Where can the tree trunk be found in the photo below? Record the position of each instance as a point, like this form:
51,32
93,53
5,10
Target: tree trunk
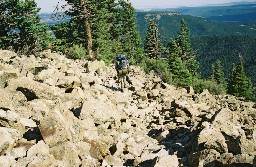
88,29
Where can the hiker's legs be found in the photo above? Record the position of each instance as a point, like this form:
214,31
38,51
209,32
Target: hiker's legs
124,78
128,80
120,81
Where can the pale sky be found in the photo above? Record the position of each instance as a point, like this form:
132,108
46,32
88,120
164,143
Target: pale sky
49,5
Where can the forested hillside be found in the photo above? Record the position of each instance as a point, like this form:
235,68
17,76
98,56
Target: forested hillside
169,24
210,40
227,49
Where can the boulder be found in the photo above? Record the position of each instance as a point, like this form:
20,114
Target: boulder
67,153
162,136
94,66
8,116
227,122
40,108
40,148
28,123
19,152
203,157
8,102
154,93
206,97
9,137
55,128
6,55
100,110
38,155
6,75
212,138
243,159
49,76
142,95
32,89
6,161
190,109
114,161
167,161
99,149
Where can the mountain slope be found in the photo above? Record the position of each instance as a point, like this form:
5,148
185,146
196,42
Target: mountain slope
169,25
247,18
227,49
61,112
210,40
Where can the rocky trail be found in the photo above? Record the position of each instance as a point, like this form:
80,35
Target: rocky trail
59,112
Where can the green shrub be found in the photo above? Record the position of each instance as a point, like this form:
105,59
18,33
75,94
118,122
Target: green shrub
200,84
107,58
77,52
159,67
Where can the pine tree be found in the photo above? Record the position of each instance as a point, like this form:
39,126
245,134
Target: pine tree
182,62
239,84
152,46
186,53
180,75
125,32
90,23
218,74
84,4
112,24
21,28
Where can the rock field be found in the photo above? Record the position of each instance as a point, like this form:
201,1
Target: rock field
57,112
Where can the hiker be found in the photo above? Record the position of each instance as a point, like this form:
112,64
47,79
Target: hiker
122,69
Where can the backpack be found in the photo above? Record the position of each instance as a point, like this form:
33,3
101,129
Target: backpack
121,62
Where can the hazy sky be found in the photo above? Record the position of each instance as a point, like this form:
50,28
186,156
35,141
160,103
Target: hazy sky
48,5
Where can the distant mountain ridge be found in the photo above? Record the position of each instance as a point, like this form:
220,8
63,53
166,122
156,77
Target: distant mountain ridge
212,12
247,17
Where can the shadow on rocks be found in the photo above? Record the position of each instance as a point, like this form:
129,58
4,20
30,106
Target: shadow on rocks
33,134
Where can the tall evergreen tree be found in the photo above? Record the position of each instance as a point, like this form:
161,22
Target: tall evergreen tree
218,74
180,75
112,24
125,32
152,45
186,53
89,25
102,23
239,84
182,62
20,26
